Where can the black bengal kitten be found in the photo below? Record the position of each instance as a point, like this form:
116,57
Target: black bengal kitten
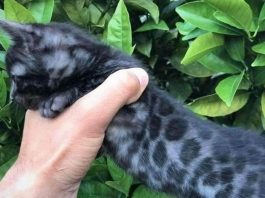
155,139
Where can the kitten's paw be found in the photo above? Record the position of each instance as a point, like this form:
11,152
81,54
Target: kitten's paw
53,106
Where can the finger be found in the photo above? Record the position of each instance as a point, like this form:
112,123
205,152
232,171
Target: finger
120,88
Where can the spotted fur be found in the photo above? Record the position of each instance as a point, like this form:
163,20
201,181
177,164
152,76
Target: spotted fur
155,139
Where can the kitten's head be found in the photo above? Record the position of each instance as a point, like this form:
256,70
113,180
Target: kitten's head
41,57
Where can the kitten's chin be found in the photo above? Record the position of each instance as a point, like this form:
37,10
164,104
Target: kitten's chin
31,106
28,103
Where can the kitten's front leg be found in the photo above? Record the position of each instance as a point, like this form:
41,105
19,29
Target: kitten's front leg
56,103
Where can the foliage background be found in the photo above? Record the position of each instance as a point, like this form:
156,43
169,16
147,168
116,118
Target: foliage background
209,54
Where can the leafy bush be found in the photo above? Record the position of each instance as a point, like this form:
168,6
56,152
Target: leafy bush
209,54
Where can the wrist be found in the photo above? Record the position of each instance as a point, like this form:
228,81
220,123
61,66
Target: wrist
19,183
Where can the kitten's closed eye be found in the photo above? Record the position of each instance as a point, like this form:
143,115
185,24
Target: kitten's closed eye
30,85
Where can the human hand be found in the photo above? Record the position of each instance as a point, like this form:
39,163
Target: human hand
55,154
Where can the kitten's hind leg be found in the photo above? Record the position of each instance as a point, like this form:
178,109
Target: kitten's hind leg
56,103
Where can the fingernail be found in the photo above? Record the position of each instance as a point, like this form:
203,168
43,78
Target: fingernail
142,76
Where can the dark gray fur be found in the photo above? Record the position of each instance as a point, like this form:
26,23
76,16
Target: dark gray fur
155,139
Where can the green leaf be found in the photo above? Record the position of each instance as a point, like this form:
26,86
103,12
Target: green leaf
259,48
201,46
119,33
6,166
226,89
220,16
217,64
145,47
2,59
262,121
42,10
76,12
5,111
7,152
151,25
262,14
144,192
167,36
153,60
2,14
79,4
237,11
194,34
258,75
95,15
261,20
17,113
200,14
3,91
149,6
243,118
4,39
122,181
121,186
213,106
115,171
17,12
256,6
95,189
179,89
235,47
194,69
185,28
98,171
245,84
93,184
259,61
263,103
4,136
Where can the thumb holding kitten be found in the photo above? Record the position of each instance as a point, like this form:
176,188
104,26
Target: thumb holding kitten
55,154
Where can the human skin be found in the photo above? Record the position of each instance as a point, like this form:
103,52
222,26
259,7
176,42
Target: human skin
55,154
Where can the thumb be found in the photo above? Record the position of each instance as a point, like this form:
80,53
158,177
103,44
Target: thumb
120,88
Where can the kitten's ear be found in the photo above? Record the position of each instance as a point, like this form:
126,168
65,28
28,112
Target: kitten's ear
16,31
